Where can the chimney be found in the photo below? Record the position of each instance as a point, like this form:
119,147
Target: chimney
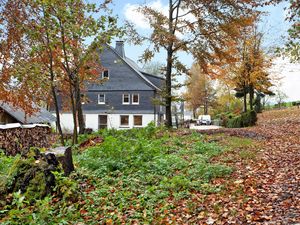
120,48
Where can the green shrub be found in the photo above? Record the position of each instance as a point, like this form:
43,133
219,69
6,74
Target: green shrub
244,120
235,122
249,118
225,117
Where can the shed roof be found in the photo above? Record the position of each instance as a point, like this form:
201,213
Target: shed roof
41,116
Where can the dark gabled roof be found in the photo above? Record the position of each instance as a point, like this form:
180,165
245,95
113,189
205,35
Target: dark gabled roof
135,67
41,116
156,80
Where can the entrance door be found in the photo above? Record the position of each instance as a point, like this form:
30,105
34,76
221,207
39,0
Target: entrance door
102,122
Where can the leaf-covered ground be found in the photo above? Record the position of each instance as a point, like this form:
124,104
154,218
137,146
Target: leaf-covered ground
274,183
265,188
152,176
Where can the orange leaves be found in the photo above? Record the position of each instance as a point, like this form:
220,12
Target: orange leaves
199,89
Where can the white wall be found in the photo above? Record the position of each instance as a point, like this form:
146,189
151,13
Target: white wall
113,121
66,121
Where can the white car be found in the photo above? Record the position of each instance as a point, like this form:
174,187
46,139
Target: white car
204,120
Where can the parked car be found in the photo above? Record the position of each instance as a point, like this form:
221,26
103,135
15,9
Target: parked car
204,120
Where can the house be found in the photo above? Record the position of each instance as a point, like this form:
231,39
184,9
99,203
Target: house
11,114
124,100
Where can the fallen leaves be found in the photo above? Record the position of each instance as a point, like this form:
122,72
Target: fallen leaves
265,190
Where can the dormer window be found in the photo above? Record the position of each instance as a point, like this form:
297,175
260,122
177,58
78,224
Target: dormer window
126,99
135,99
105,74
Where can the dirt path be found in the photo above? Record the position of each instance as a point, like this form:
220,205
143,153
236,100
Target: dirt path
275,198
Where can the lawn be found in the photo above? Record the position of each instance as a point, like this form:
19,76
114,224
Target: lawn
133,176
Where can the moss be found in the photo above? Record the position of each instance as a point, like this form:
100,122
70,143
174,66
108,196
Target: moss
32,177
36,188
18,169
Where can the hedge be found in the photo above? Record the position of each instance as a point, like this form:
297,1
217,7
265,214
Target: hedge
244,120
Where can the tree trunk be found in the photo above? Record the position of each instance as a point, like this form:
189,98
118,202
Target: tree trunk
251,97
205,107
194,113
169,89
64,156
245,100
169,69
74,112
58,125
53,87
80,117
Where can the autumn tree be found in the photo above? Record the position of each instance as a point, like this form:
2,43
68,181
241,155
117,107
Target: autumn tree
200,91
251,73
57,33
292,48
225,99
16,86
199,28
76,23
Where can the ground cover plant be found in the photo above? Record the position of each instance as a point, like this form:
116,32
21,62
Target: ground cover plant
133,176
156,176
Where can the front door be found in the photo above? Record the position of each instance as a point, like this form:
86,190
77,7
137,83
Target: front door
102,122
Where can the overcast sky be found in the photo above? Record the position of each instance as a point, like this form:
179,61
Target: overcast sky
273,24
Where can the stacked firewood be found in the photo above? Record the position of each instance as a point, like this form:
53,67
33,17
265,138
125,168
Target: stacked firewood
19,140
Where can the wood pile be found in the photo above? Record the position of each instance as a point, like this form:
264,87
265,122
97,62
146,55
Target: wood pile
19,139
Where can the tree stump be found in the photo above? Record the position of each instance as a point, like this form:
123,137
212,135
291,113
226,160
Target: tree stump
64,156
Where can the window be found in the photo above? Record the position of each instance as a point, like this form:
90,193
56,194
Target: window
105,74
101,98
102,121
124,121
126,98
135,99
138,120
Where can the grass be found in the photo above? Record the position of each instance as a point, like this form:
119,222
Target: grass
133,176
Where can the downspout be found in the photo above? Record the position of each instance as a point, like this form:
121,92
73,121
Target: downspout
154,106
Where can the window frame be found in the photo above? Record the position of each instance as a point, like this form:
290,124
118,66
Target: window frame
134,120
124,125
123,102
132,97
101,103
102,74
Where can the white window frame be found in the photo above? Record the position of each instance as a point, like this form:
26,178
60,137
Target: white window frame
127,125
135,124
135,103
126,103
101,103
102,74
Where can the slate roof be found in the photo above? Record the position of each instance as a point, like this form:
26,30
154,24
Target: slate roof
135,67
41,116
156,80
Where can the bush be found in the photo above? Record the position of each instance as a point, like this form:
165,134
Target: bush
225,117
249,118
244,120
235,122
